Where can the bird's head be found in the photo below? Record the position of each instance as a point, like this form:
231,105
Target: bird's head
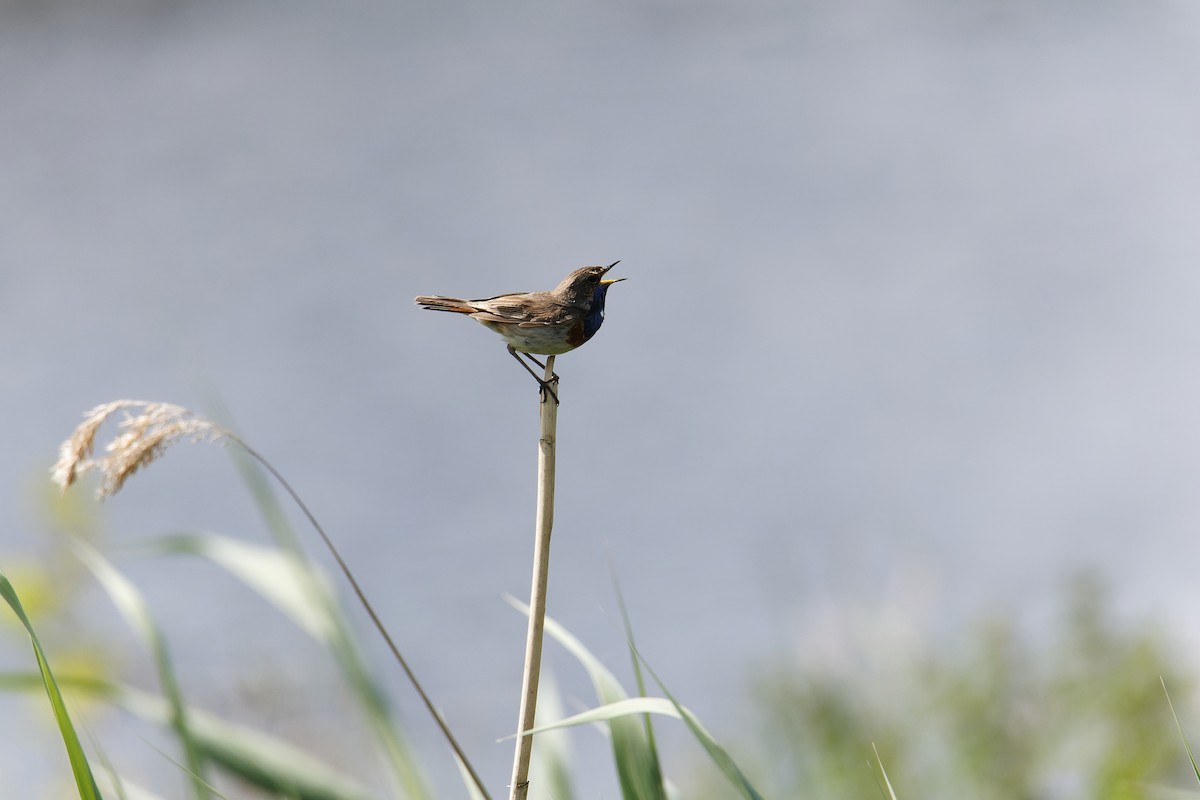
584,284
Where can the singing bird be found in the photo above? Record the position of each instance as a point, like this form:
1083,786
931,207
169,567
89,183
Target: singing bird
540,323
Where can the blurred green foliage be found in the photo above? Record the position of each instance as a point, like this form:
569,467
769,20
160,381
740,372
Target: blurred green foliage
51,581
994,714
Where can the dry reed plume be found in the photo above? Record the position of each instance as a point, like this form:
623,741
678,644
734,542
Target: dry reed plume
145,435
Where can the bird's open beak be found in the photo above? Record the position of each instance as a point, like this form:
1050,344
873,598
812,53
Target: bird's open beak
608,281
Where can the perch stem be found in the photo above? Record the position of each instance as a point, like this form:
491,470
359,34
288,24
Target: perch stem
519,788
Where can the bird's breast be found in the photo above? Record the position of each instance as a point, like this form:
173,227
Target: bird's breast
544,340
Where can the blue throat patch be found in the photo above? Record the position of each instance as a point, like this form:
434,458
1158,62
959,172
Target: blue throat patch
595,317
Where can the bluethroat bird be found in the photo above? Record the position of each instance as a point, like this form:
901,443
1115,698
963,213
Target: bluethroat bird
542,323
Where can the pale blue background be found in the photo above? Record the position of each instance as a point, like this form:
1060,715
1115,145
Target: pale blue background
910,331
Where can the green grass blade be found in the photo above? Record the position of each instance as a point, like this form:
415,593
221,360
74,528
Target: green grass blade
292,586
716,752
297,588
668,707
85,782
257,482
108,779
636,763
887,782
1182,735
137,615
608,688
550,774
630,706
473,792
261,760
637,674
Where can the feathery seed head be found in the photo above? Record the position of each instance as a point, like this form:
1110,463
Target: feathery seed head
147,430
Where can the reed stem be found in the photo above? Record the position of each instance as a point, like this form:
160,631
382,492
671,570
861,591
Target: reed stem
519,788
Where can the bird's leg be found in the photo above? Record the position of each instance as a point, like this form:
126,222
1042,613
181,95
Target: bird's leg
553,375
546,385
553,378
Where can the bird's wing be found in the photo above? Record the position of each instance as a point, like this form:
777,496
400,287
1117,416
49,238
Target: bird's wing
487,316
532,310
512,308
554,313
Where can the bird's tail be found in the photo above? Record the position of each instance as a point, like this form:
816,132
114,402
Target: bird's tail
445,304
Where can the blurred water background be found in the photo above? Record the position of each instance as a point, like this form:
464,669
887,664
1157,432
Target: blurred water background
910,328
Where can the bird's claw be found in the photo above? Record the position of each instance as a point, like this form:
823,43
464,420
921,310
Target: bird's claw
547,389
